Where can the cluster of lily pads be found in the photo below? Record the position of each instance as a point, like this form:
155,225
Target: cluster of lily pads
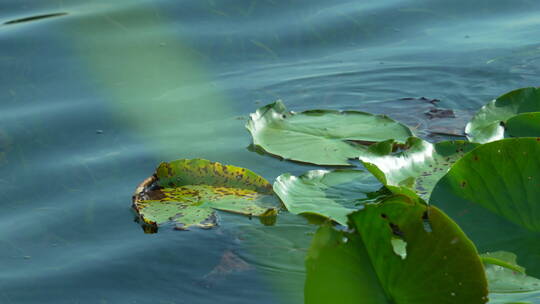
404,229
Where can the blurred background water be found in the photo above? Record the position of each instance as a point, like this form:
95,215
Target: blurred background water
93,97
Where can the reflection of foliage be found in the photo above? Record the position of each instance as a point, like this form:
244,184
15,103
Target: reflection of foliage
397,248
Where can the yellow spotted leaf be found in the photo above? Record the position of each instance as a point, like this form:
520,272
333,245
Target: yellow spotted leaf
188,191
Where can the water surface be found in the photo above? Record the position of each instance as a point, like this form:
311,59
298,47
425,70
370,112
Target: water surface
95,94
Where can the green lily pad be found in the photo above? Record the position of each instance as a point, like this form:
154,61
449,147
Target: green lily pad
340,270
492,193
322,137
507,281
501,176
487,123
523,125
439,265
332,194
419,166
188,191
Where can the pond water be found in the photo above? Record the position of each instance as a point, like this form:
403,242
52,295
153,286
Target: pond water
94,94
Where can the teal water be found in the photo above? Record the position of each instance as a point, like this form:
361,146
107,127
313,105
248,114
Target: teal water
94,98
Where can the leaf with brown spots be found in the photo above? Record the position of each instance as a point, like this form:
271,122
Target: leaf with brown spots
188,191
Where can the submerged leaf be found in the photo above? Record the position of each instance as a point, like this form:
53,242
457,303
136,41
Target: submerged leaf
505,276
504,259
332,194
493,193
440,266
515,298
278,253
322,137
488,123
187,191
424,116
507,281
230,263
418,166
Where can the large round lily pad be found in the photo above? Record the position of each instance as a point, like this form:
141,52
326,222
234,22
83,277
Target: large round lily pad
419,164
188,191
488,123
501,176
493,193
332,194
402,253
322,137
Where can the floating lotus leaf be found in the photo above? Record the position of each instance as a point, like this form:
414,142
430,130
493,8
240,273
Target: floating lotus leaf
188,191
502,176
322,137
439,264
493,193
333,194
523,125
507,281
488,123
418,166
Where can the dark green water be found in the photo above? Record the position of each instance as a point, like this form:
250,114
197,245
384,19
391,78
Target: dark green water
92,100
